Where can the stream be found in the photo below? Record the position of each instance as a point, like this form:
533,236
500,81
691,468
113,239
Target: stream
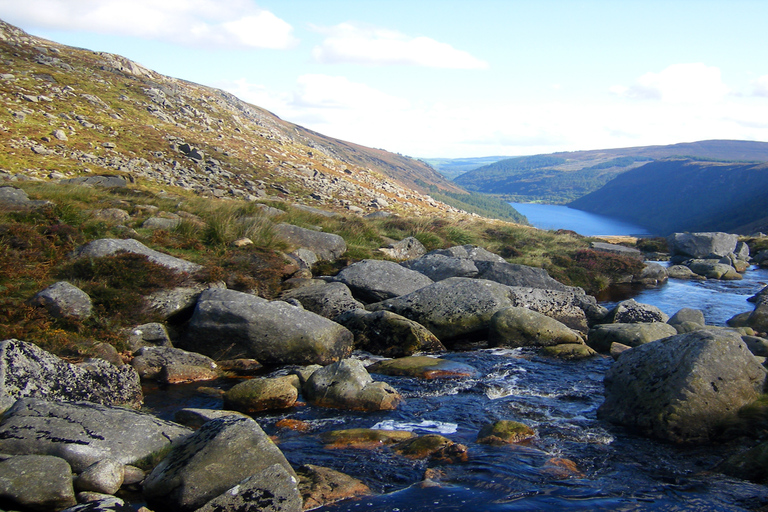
574,463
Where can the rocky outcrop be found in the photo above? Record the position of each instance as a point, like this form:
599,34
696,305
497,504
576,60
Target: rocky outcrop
230,324
217,457
272,489
630,312
326,246
110,246
521,327
601,337
682,388
388,334
264,394
440,266
28,371
16,199
702,245
347,385
377,280
64,300
83,433
325,299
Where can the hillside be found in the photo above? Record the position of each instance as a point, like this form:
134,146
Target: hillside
563,177
686,195
452,168
71,112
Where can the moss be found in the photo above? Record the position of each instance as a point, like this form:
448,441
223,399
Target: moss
505,432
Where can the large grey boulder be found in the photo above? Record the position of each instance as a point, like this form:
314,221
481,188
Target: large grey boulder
682,388
36,482
576,310
172,302
326,299
110,246
217,457
469,252
15,198
521,327
630,311
518,275
26,370
263,394
406,249
272,489
440,266
153,334
83,433
453,308
348,385
327,246
64,300
602,336
653,274
687,315
388,334
714,269
702,245
150,362
229,324
377,280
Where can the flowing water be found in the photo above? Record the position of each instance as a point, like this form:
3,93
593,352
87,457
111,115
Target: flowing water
575,462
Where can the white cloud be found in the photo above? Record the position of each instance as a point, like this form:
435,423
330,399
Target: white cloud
678,83
323,91
201,23
760,86
349,43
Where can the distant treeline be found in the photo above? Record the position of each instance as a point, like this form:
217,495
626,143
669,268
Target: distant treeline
480,204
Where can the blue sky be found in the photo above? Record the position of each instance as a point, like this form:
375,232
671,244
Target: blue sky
447,78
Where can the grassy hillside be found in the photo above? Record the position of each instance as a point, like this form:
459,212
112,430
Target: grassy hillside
451,168
686,195
563,177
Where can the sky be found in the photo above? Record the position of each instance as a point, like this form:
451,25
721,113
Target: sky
448,78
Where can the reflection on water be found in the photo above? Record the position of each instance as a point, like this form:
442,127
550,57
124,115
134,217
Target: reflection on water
556,216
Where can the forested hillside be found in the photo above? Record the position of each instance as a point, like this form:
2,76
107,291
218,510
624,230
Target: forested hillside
687,195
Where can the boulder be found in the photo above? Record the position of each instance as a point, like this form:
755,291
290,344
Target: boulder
231,324
758,319
760,297
152,334
701,245
29,371
36,482
469,252
653,274
326,246
569,351
631,312
177,302
83,433
110,215
454,308
521,327
326,299
432,446
518,275
105,476
64,300
322,486
574,309
757,345
682,388
16,199
217,457
388,334
406,249
602,336
683,272
505,432
158,223
264,394
714,269
272,489
687,315
424,367
440,266
109,246
196,418
149,362
377,280
347,385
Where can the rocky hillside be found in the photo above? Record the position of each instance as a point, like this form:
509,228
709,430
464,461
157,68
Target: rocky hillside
687,195
563,177
70,112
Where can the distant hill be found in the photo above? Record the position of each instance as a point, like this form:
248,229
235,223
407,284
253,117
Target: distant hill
566,176
675,195
454,167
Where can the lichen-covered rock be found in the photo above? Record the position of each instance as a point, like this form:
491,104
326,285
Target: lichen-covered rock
149,362
602,336
439,266
683,272
327,299
272,489
264,394
687,315
321,486
64,300
347,385
505,432
714,269
36,482
29,371
217,457
682,388
388,334
195,418
327,246
518,275
364,438
432,446
521,327
406,249
110,246
424,367
377,280
631,312
83,433
230,324
152,334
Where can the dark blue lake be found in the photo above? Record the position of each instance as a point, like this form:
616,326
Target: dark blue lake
557,216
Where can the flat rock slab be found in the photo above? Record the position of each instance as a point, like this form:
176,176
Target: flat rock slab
424,367
109,246
83,433
377,280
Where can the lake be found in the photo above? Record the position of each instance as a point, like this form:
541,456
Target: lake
557,216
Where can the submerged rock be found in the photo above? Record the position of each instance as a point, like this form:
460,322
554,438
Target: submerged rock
365,438
505,432
321,486
632,312
432,446
263,394
424,367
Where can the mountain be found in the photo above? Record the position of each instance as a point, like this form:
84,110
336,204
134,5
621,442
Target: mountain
677,194
563,177
70,112
451,168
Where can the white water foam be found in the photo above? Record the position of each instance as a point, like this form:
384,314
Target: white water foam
432,427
